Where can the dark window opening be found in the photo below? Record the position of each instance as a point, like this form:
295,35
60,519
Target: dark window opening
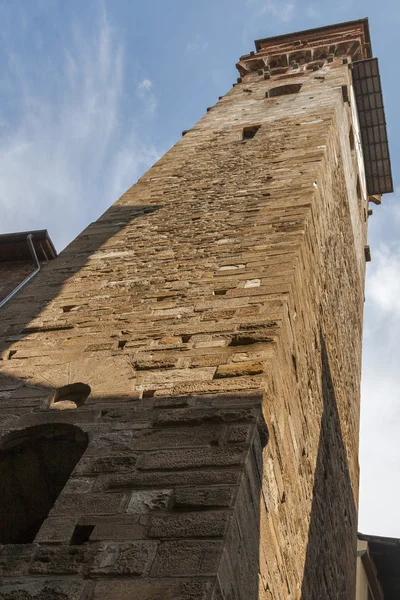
35,465
359,194
351,140
250,132
315,66
81,534
68,308
70,396
283,90
278,70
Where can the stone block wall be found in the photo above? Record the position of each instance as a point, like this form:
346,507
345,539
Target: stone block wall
218,299
11,275
151,507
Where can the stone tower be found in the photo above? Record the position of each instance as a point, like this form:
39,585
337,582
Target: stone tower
180,387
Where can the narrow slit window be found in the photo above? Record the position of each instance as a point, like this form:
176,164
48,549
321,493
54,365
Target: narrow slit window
250,132
359,194
284,90
351,140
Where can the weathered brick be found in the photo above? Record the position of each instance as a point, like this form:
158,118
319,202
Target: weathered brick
76,504
187,459
118,529
15,558
239,434
62,561
152,589
45,589
123,559
190,524
144,501
199,416
172,437
203,497
186,557
107,464
168,478
56,530
239,369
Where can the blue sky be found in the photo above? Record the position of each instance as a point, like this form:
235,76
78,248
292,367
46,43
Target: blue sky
92,92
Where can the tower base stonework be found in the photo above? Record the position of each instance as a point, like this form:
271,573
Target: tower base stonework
171,513
204,337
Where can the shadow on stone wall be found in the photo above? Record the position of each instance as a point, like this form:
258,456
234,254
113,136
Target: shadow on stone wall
238,574
17,316
207,535
329,570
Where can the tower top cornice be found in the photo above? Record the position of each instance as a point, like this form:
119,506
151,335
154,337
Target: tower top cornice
350,39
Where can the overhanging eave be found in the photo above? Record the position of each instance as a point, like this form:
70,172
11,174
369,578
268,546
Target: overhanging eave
371,114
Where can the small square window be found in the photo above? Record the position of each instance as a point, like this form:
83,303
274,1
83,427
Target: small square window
81,534
250,132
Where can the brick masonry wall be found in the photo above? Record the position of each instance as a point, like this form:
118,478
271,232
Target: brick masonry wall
11,275
228,282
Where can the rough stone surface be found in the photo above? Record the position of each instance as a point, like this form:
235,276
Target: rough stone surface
43,590
123,559
220,297
150,589
203,497
185,558
147,501
199,525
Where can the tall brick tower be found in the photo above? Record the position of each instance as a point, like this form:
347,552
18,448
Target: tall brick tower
180,390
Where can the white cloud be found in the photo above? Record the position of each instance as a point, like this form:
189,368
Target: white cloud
380,397
145,93
145,86
383,283
69,154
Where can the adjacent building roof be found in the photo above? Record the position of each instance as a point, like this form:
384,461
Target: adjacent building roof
386,556
14,247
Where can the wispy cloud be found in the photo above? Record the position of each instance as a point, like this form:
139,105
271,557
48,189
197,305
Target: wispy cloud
380,397
284,11
312,12
383,284
144,90
69,153
197,45
257,24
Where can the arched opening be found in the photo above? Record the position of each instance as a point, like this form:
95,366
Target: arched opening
70,396
35,465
